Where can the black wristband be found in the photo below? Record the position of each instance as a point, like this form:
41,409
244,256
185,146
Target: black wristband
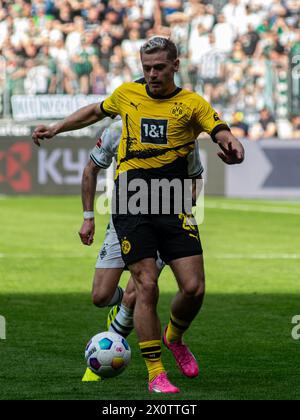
217,129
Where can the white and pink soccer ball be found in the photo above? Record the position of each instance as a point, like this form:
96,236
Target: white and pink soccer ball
107,354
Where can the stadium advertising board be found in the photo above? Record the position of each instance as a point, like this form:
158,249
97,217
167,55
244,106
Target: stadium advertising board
36,107
270,170
55,169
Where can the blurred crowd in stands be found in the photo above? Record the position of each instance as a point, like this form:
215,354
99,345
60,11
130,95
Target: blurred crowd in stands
235,53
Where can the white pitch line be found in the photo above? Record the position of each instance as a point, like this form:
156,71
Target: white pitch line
256,209
46,256
255,256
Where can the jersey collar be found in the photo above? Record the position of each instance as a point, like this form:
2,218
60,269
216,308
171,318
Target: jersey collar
171,95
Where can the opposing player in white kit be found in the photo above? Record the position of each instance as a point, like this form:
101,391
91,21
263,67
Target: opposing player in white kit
109,264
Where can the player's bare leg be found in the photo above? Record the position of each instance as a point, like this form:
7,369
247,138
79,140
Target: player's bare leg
145,278
189,273
129,295
105,291
120,317
147,323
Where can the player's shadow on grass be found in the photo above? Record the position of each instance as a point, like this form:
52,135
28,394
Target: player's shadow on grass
242,341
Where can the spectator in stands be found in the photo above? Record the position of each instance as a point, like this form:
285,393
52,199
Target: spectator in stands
5,21
116,77
199,14
65,14
211,70
168,7
73,41
131,52
198,44
295,121
106,51
85,43
224,34
265,128
250,40
98,80
295,47
235,15
37,78
93,17
151,14
53,31
179,31
238,126
66,76
44,58
82,63
16,72
133,12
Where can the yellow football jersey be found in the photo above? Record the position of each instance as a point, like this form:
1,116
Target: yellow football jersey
158,131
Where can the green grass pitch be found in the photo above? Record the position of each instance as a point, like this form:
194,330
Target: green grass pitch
242,338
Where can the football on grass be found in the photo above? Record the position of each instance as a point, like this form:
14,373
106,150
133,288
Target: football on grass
107,354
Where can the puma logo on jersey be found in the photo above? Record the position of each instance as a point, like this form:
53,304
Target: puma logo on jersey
136,106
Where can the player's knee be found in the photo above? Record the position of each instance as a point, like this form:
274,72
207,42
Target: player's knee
149,291
195,288
143,276
146,287
101,298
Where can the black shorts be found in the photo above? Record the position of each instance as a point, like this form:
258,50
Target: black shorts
141,236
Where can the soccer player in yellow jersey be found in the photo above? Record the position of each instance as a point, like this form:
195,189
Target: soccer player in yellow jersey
160,123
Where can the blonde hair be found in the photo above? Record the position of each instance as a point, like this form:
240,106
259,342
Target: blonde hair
160,43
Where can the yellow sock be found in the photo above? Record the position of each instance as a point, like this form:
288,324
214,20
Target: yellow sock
176,329
151,352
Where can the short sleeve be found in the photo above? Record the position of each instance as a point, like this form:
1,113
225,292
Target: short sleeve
100,156
107,146
110,105
208,119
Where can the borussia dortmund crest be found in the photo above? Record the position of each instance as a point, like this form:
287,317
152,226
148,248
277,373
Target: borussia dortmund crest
126,246
178,110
